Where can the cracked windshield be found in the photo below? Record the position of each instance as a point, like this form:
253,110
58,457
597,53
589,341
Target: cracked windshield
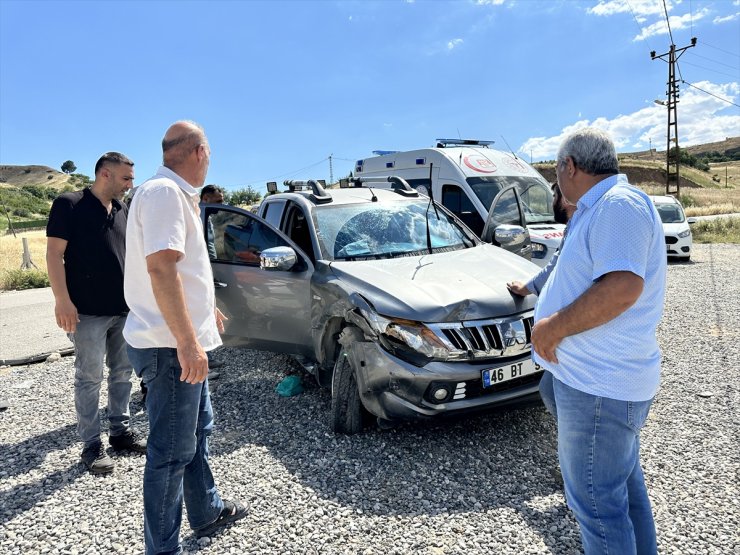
386,230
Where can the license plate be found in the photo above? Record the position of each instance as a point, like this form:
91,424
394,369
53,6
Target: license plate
495,376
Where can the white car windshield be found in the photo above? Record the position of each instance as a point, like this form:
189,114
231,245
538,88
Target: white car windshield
386,230
670,213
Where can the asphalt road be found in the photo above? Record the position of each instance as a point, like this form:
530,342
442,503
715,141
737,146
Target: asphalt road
27,325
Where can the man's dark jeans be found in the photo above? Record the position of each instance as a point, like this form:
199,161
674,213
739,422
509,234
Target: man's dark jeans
180,421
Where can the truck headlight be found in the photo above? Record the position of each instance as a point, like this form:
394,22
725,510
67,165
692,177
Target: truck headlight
684,233
538,250
408,340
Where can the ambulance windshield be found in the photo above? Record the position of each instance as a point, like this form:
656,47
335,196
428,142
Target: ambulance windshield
535,194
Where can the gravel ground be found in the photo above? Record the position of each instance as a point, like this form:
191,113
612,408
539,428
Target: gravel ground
482,485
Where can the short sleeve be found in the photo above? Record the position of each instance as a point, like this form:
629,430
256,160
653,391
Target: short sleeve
59,218
620,236
162,220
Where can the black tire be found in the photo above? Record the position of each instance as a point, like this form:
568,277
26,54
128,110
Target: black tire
347,412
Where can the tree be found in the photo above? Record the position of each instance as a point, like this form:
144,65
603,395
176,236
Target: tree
69,167
244,196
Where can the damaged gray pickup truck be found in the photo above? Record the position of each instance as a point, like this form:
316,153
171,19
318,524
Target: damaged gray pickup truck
385,297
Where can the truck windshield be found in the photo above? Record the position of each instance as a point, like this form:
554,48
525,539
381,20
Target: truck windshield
386,230
535,194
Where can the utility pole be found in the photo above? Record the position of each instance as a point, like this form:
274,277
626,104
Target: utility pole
672,157
331,171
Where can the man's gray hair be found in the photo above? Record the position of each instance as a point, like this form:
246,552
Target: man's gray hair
592,150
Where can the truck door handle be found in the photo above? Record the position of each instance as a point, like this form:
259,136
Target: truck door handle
219,284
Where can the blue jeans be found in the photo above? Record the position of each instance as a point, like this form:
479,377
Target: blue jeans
547,394
96,339
180,421
599,452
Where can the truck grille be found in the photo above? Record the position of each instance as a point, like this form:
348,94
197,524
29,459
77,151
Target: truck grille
482,339
671,240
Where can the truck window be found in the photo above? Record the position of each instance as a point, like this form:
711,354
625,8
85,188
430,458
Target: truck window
506,210
457,202
296,227
239,239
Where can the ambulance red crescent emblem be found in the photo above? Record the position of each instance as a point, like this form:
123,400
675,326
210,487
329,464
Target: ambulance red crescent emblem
479,163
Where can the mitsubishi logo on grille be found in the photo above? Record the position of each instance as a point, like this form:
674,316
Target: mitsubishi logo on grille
513,336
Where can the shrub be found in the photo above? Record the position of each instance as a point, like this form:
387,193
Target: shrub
687,200
24,279
49,177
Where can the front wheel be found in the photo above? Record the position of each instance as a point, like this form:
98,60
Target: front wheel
347,411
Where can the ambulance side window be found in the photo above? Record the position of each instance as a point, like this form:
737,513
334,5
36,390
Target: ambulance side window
455,200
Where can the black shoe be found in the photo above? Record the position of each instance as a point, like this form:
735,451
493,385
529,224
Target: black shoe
96,459
129,440
214,363
230,513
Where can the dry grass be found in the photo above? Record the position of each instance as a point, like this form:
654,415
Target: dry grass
703,202
11,250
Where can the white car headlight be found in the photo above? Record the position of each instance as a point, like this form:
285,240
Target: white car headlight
684,233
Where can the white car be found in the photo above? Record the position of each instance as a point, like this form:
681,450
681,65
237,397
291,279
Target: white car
678,239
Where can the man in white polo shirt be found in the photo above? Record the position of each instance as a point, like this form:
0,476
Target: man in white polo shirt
172,323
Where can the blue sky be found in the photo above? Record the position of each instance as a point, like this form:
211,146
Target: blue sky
279,86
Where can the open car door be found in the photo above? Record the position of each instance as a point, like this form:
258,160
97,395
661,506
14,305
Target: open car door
506,225
266,310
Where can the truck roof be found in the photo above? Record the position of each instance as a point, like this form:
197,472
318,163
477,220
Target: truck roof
351,195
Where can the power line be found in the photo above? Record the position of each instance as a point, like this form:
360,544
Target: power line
668,22
642,31
710,69
289,173
710,94
705,43
715,61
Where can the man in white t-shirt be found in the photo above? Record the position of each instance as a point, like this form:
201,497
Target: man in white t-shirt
173,321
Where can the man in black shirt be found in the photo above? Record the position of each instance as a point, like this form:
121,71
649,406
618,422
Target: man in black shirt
85,255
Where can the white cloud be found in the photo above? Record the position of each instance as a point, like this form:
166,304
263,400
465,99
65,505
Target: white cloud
490,2
454,43
639,7
726,18
699,121
677,22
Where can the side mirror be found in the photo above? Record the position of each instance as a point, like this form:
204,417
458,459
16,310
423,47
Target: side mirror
692,220
510,235
279,259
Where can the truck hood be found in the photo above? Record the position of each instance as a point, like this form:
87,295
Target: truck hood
468,284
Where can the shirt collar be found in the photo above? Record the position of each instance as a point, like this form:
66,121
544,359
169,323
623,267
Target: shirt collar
115,203
598,190
186,187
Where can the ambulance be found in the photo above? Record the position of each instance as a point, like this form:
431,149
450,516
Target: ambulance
484,187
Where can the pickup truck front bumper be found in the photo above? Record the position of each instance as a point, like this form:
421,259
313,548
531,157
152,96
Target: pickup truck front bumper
393,389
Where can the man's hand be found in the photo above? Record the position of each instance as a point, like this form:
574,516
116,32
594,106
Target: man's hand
518,288
546,336
66,315
220,319
194,363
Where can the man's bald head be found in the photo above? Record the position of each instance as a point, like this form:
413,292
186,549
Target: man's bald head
185,151
180,140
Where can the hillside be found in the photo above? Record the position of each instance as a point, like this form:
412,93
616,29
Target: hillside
21,176
728,146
